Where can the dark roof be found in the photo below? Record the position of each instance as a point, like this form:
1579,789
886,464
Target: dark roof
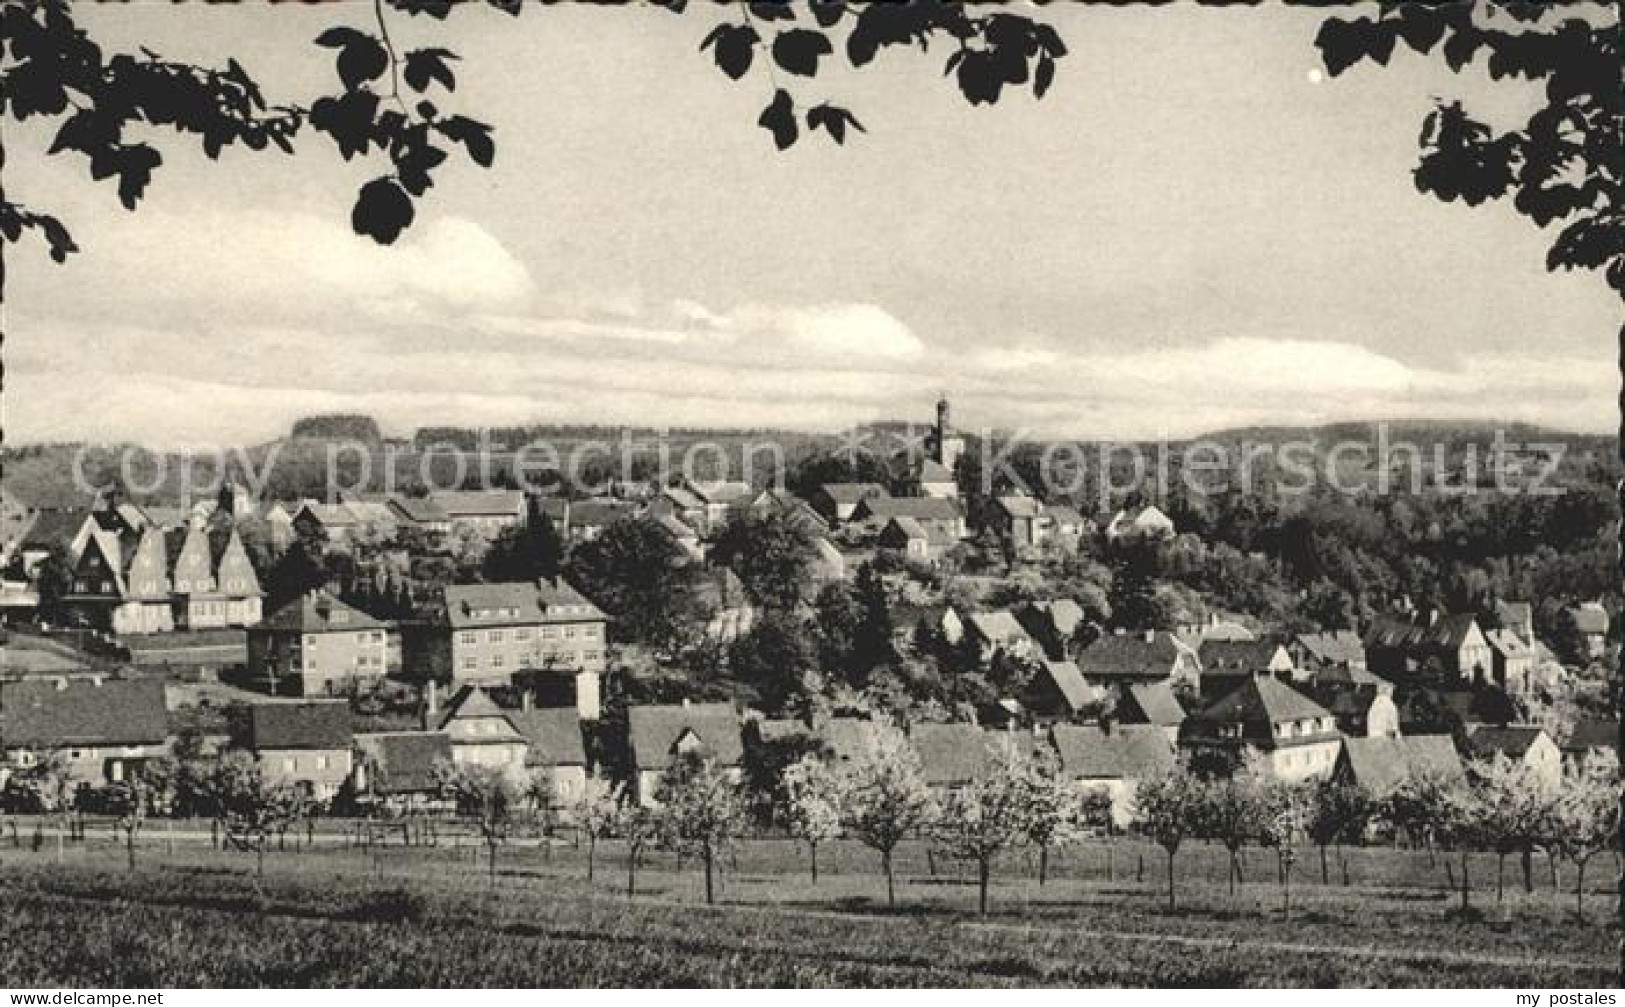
1150,703
60,712
1514,614
317,724
419,510
1591,733
1445,633
1513,740
1130,655
554,735
55,527
851,493
1381,764
1258,704
320,612
919,508
1068,682
1089,752
1236,657
1509,643
655,730
404,762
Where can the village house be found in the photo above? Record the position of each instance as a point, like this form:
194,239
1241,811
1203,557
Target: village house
1150,704
661,736
944,517
953,756
493,630
780,502
398,770
1379,764
1227,663
1112,761
1451,643
308,745
1295,737
1591,622
316,645
485,511
706,506
578,521
334,522
482,733
1058,692
682,535
105,729
1512,661
1526,744
1313,653
837,502
1020,520
555,749
420,513
994,633
1151,656
1362,702
921,476
1591,738
1144,523
131,577
914,540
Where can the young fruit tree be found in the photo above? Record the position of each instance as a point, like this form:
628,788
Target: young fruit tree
597,813
811,794
128,802
1230,811
1336,813
1586,817
638,827
1054,810
1518,803
488,797
980,821
887,799
702,812
1165,806
248,809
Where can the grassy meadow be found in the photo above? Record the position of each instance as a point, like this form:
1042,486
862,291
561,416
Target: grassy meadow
393,916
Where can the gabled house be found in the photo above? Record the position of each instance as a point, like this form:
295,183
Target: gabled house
1378,765
309,744
837,502
914,540
954,755
585,520
1058,692
1362,702
1227,663
661,736
1021,521
1316,652
1591,738
106,729
1147,522
316,645
1067,527
481,732
783,503
556,748
1454,643
1112,761
1053,623
1591,622
421,513
943,516
1295,737
994,633
1150,704
1152,656
398,770
1522,743
920,475
1512,661
485,511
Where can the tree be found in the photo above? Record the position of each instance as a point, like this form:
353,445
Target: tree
811,796
873,643
1231,811
1562,166
1586,818
639,576
701,812
771,553
1337,813
598,811
528,552
637,826
248,809
773,658
1054,813
1517,807
1165,806
991,814
486,795
128,802
887,799
54,70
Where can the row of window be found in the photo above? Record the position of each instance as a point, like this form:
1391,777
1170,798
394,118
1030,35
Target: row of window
469,637
375,639
471,662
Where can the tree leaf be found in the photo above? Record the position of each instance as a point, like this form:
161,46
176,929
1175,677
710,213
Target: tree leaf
1044,76
363,59
779,118
834,120
474,136
424,66
797,50
735,48
382,210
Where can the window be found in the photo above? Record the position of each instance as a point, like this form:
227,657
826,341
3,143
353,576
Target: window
466,638
549,633
470,662
288,765
495,636
521,634
321,762
496,660
589,632
310,641
569,632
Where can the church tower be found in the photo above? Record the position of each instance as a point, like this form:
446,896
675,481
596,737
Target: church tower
946,445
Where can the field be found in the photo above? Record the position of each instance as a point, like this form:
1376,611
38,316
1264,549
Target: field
335,915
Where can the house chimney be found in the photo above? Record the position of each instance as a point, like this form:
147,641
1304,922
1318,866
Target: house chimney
431,698
526,703
1150,635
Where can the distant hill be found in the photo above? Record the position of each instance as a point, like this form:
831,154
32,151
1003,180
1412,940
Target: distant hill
338,427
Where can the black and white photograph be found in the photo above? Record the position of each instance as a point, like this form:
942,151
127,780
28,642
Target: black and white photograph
827,494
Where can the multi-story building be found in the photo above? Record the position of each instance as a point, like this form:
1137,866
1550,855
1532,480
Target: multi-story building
317,645
493,630
141,579
307,745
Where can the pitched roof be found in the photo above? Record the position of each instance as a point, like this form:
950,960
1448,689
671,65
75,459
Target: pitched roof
1592,733
61,712
1069,682
851,493
53,528
950,754
1513,740
1151,703
908,528
1341,647
469,703
403,762
1020,506
1131,655
320,612
1509,644
1233,657
479,503
517,603
655,730
996,627
1381,764
319,724
1514,614
919,508
1259,702
1090,752
720,491
419,510
554,735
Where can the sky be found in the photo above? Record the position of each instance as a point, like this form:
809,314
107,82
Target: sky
1195,229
